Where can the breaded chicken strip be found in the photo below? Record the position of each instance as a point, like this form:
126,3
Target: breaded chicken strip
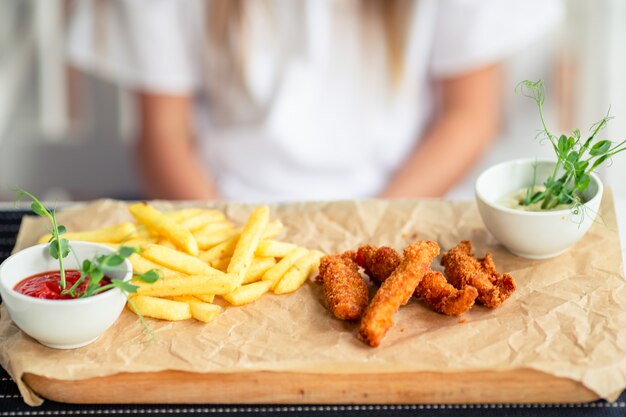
462,269
378,263
442,297
434,289
346,292
396,291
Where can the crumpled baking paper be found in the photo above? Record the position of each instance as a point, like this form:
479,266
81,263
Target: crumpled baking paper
567,317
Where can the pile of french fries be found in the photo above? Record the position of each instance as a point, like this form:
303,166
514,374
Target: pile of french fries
199,254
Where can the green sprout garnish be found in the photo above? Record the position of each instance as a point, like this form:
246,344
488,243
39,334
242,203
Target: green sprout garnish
576,159
92,271
58,247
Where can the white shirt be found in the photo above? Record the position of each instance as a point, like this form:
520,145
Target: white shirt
321,124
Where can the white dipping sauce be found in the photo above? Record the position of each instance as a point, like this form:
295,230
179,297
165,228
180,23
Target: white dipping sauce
516,201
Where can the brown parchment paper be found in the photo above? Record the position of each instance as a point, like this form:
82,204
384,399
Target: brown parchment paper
567,318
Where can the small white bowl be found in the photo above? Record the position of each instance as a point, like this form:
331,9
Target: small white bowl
60,324
533,235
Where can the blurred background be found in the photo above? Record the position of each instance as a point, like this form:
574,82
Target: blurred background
67,135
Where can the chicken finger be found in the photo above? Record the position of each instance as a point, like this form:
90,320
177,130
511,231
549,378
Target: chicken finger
442,297
346,292
378,263
396,291
434,289
462,269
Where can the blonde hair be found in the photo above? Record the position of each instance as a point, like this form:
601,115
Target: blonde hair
393,17
226,33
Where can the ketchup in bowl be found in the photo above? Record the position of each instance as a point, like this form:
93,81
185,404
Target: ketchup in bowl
46,285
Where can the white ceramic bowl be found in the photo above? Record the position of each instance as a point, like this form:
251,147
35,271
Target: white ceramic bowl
534,235
61,324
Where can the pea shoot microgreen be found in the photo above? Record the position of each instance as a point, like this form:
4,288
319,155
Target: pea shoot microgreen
58,247
93,271
576,159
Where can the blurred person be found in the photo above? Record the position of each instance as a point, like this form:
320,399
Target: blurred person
310,99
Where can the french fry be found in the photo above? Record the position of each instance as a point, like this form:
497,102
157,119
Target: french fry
204,312
144,233
182,214
238,264
272,229
160,308
246,294
221,264
178,261
164,226
247,243
207,241
200,310
166,243
221,250
258,268
277,271
138,242
191,285
183,298
213,227
227,247
205,298
298,273
142,265
275,248
256,271
112,234
201,220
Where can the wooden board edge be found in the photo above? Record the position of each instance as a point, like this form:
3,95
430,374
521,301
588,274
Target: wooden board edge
265,387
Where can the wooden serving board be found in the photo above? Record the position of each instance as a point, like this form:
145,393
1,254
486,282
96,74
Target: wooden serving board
516,386
537,347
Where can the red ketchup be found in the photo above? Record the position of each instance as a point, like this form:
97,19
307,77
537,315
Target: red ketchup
46,285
